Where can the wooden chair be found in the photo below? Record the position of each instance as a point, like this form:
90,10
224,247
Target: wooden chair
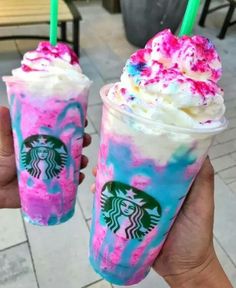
26,12
227,23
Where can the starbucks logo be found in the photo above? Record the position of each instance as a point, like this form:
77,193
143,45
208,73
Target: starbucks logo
129,212
43,156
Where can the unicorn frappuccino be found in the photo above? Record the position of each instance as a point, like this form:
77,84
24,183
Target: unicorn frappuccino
157,126
48,98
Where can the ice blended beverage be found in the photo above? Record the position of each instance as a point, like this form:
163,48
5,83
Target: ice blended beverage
48,98
158,124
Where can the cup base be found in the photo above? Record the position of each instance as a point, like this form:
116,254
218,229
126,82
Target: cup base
112,277
53,221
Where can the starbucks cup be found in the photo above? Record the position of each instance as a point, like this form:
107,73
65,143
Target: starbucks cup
145,170
48,138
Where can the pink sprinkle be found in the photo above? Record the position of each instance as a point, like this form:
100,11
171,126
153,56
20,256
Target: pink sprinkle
58,51
26,68
123,90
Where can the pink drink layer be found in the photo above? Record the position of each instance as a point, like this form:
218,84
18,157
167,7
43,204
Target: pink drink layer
157,127
48,98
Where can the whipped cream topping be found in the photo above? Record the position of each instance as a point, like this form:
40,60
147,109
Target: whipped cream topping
55,67
173,80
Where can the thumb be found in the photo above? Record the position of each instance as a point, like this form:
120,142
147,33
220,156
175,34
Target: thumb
6,139
201,196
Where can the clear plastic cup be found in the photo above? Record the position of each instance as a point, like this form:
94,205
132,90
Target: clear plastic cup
145,170
48,139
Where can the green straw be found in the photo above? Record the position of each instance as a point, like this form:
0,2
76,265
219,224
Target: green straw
189,17
54,22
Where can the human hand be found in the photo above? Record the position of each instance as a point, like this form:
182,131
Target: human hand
9,196
190,242
9,193
188,258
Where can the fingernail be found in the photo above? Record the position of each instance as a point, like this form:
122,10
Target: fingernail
93,188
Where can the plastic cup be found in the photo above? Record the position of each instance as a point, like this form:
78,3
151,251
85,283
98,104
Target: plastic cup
48,139
145,170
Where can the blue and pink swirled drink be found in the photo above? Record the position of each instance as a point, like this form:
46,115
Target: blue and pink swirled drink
157,126
48,98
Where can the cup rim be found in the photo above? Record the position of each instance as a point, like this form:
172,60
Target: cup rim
172,128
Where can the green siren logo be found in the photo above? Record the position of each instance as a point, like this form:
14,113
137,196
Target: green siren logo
43,156
129,212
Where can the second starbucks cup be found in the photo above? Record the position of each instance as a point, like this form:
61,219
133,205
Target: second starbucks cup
145,166
48,99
